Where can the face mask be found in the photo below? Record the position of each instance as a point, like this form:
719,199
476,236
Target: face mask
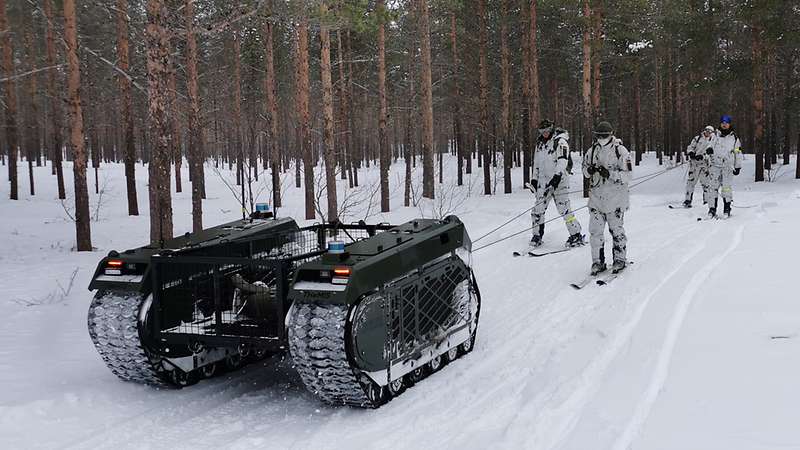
604,141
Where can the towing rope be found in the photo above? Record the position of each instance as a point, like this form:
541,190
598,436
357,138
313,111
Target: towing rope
638,181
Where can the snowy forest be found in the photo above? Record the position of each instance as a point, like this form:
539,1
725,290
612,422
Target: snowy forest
327,224
302,89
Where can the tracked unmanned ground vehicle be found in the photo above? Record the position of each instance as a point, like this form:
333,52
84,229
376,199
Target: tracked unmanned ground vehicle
364,310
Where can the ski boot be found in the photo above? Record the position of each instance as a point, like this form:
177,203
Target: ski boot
576,240
536,241
598,267
712,209
726,209
687,204
618,266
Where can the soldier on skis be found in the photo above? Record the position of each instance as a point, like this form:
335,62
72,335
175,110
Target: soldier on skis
725,161
607,165
698,164
551,168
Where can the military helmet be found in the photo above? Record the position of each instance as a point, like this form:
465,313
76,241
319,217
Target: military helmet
603,129
546,125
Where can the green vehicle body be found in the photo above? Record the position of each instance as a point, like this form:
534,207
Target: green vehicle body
377,267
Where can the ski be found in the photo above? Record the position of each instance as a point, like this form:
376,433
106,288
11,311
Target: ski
601,279
678,206
583,283
608,278
536,255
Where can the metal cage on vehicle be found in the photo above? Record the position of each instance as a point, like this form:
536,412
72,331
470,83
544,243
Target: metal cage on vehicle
239,294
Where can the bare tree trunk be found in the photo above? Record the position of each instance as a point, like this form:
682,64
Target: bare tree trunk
637,99
82,227
351,140
587,84
175,140
195,149
408,146
427,101
272,114
527,149
55,101
10,100
126,106
534,68
506,90
758,100
33,144
788,101
383,144
158,64
597,45
302,86
458,140
483,136
344,119
327,117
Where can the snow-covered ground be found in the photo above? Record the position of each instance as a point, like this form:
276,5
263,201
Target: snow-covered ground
695,347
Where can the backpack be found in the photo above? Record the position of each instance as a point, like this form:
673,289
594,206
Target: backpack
569,153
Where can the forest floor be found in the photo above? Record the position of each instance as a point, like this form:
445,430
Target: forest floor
694,347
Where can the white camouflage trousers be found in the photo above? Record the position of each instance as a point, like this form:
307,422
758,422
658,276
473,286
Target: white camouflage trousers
560,197
719,179
597,225
698,171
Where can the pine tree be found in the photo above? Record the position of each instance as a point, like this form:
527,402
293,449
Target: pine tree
9,89
82,226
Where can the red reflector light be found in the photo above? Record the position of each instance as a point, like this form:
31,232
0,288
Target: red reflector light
341,272
114,263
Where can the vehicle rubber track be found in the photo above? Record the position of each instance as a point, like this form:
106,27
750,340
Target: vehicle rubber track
319,350
113,327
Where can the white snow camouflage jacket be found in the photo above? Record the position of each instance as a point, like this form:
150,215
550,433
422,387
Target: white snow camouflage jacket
550,158
727,151
700,144
608,194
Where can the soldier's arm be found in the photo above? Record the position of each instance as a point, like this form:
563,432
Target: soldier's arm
563,157
737,154
587,162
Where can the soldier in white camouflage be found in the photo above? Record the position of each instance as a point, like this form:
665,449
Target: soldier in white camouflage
698,164
607,165
550,180
725,162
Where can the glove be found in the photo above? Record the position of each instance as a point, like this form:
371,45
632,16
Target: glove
535,184
591,170
736,171
709,151
603,172
555,181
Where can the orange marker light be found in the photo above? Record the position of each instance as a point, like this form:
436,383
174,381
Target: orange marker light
114,263
341,271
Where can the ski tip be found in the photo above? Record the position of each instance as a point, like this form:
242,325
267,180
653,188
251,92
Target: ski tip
517,254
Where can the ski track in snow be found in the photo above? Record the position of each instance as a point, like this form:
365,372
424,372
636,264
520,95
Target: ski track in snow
560,425
659,377
557,416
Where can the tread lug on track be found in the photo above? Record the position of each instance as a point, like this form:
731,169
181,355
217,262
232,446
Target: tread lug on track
113,328
319,351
